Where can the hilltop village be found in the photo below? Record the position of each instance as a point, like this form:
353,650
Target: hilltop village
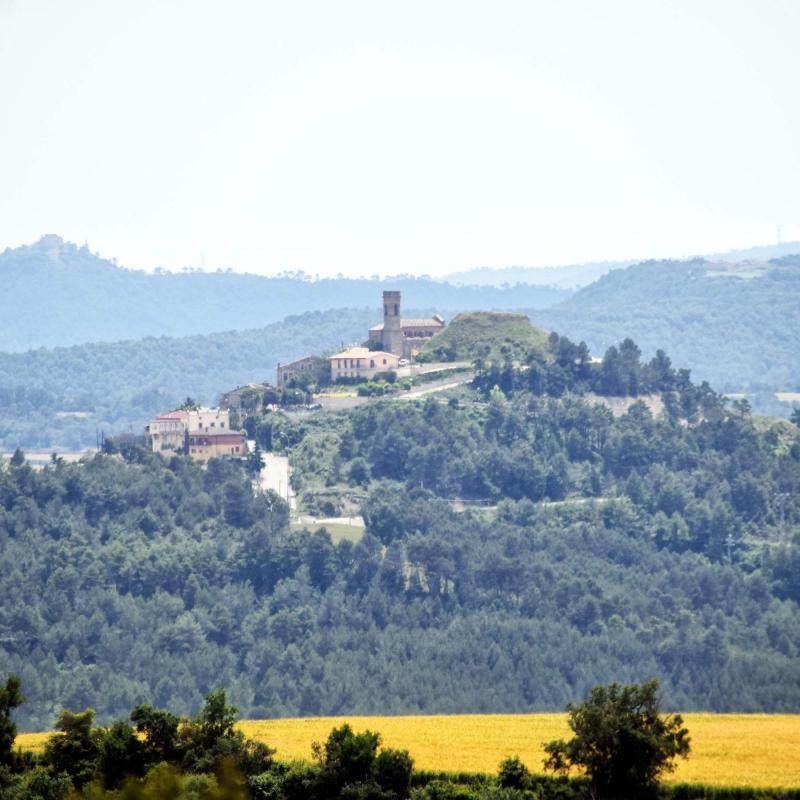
389,353
392,345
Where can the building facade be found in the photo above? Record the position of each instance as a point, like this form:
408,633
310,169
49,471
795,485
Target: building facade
361,363
402,337
202,433
247,398
168,431
205,445
209,420
310,366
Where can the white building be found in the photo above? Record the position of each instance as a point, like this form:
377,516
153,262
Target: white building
362,363
168,432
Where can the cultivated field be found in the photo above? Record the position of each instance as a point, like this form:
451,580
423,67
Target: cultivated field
756,750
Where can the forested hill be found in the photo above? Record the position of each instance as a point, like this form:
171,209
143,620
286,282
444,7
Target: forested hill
735,325
613,549
60,398
63,294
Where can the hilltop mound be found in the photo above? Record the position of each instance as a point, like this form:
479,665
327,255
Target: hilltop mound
491,335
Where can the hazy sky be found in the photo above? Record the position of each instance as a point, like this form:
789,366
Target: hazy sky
377,137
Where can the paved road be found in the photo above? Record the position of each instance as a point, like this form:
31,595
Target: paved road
440,386
353,522
341,403
275,476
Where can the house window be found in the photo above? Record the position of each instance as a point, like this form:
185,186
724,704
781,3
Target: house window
384,360
395,309
372,363
222,424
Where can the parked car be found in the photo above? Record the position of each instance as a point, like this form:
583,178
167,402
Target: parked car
403,362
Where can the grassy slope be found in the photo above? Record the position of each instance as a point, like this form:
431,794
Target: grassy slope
492,335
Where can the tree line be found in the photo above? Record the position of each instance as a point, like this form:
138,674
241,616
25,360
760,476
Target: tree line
622,742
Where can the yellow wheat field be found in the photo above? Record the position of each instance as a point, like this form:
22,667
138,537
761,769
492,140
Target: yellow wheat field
756,750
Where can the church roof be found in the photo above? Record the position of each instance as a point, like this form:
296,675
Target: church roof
360,352
413,323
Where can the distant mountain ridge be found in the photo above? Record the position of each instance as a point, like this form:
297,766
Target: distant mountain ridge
63,294
569,276
735,325
575,276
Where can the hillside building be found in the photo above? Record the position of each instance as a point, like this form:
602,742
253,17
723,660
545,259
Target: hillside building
209,420
244,398
361,363
205,445
311,366
402,337
168,431
201,433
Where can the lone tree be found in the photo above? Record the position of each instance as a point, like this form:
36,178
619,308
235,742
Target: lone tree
10,698
621,741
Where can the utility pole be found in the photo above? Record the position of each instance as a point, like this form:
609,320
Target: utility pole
729,542
780,503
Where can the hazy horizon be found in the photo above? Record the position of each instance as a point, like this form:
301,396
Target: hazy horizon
791,246
369,139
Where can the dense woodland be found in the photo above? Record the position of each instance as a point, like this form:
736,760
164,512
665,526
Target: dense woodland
736,326
614,549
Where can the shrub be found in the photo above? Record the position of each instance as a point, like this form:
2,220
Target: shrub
621,740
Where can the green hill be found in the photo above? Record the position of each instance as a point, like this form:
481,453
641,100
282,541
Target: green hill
490,335
596,549
735,325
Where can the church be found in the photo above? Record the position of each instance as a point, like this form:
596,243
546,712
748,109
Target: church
402,337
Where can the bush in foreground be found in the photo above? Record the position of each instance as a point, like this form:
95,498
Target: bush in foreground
621,740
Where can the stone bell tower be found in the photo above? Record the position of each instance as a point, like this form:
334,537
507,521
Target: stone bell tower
392,336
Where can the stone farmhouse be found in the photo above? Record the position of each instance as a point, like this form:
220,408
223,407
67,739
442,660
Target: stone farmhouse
310,365
244,398
201,433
